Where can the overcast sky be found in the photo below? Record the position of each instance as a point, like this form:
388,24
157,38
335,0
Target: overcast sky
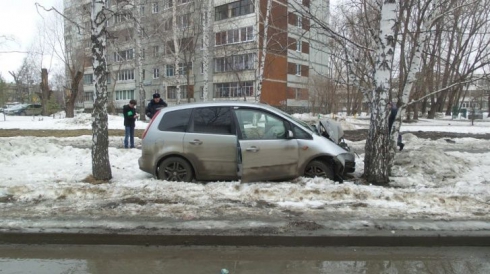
19,18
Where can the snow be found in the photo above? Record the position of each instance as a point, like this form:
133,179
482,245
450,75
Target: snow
43,183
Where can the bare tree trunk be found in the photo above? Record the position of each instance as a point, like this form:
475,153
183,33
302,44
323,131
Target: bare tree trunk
176,51
72,96
376,161
139,57
101,167
45,91
206,59
263,52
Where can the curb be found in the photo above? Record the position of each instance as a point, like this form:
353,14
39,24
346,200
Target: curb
386,233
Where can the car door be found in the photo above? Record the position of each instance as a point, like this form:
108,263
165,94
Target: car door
29,110
210,143
267,151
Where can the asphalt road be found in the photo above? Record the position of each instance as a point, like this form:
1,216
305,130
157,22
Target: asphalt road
240,260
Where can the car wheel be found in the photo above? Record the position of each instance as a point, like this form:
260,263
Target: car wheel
175,169
23,113
317,168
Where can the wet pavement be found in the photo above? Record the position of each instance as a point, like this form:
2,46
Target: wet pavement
84,259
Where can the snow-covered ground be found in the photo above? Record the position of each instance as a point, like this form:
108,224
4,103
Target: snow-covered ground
42,179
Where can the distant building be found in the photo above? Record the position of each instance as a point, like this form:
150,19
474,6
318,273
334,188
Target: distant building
477,93
294,51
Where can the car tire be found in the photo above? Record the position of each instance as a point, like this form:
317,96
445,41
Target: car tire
318,168
23,113
175,169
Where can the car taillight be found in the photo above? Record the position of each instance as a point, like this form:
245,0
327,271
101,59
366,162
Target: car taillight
149,125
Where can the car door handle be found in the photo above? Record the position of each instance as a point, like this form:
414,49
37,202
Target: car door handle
253,149
196,142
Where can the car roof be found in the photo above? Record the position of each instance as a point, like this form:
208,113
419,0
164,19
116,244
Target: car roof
220,104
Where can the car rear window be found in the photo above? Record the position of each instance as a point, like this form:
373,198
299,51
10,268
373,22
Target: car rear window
177,120
213,120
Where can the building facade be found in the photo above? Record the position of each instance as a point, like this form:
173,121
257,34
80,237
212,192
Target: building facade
198,50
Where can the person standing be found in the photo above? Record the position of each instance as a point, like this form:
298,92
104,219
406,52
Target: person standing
391,121
130,116
154,105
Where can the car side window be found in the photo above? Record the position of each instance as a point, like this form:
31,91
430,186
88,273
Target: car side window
176,121
256,124
301,134
212,120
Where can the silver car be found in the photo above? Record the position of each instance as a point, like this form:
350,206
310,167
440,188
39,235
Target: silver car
238,140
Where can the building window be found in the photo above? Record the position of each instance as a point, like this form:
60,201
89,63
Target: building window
234,9
233,89
156,51
234,63
183,21
234,36
88,79
167,4
123,55
172,92
170,70
156,73
125,75
299,22
124,94
221,12
88,96
167,25
298,69
118,18
298,45
184,69
154,8
297,93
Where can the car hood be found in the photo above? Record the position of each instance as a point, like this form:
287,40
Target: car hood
332,129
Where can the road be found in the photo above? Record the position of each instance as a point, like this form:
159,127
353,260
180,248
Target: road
53,259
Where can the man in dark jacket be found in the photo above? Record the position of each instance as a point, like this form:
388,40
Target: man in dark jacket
154,105
130,116
391,121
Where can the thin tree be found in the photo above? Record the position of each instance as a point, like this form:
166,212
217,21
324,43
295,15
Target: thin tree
101,168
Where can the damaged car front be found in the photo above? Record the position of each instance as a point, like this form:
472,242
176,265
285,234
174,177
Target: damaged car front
333,131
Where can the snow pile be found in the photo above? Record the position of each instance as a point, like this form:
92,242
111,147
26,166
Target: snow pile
45,178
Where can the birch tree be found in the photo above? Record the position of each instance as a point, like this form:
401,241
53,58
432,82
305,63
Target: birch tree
262,44
139,56
206,56
101,168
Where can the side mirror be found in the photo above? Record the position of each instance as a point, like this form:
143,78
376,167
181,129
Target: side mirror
290,134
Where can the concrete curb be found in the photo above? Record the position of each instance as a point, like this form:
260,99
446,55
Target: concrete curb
446,239
252,233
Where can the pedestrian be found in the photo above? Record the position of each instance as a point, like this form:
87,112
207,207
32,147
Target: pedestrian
391,121
154,105
130,116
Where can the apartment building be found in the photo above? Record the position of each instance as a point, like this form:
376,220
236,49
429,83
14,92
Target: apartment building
176,63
